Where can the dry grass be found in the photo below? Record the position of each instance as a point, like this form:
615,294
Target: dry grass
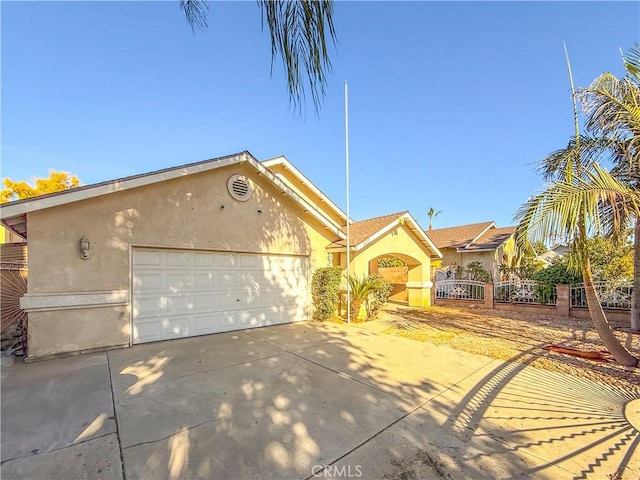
517,337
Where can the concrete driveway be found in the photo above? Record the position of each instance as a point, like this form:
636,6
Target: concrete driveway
309,400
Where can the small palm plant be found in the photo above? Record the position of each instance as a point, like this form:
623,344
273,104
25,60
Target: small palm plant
360,288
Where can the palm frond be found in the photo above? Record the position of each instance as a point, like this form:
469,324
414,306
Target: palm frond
597,200
196,12
577,156
612,107
632,63
299,29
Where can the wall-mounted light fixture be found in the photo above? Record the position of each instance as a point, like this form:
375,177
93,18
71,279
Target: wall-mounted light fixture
330,259
85,245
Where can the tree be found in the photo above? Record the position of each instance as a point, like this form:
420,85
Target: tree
610,261
583,199
299,30
55,182
432,213
612,106
612,109
574,206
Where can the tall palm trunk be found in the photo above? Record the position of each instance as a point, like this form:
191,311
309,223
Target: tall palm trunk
635,296
601,324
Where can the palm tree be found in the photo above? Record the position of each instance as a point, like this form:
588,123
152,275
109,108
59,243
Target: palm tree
612,107
573,206
432,213
361,288
299,30
613,120
582,199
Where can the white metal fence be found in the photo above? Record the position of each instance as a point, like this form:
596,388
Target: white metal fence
524,291
460,289
611,295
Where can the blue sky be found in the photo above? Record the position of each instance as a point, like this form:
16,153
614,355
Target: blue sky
450,103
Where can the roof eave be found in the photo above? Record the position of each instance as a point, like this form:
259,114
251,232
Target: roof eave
16,213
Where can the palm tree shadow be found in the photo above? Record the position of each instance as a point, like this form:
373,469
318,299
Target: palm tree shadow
562,420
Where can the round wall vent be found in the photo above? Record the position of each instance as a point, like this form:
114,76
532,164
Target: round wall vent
239,188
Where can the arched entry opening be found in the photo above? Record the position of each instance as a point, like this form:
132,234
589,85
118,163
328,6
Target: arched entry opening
393,270
411,279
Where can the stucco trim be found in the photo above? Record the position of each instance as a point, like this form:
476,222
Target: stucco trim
37,302
419,284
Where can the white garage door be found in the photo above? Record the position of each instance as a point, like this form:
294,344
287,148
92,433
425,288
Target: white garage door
182,293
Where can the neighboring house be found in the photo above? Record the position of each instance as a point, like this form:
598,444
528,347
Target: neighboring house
477,242
554,253
214,246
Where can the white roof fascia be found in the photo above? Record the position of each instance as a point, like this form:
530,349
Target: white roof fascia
421,233
387,229
283,160
114,186
307,207
491,225
70,196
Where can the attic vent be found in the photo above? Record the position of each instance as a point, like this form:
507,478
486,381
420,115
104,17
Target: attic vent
239,188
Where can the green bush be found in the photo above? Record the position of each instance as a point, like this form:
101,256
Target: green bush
325,285
391,262
476,271
556,275
379,296
549,277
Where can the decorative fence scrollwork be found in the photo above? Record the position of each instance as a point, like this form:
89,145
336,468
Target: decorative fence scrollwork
524,291
614,296
460,289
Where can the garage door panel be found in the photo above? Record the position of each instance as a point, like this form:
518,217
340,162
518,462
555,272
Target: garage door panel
179,282
178,293
146,257
204,280
148,281
203,260
180,259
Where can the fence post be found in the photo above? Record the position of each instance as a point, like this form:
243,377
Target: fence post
488,295
563,299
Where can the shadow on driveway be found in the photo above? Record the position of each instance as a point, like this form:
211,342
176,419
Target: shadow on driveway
312,400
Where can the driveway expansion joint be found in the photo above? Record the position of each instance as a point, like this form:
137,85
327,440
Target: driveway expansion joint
115,418
53,450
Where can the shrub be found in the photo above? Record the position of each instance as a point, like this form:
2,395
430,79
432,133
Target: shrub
549,277
556,275
361,288
476,271
324,292
391,262
379,296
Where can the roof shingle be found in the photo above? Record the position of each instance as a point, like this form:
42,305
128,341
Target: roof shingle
360,231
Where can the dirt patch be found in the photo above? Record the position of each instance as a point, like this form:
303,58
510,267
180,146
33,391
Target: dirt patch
518,337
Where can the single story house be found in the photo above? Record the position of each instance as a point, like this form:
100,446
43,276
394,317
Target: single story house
478,242
219,245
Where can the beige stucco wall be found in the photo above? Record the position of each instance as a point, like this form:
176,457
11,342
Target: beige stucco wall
490,260
77,330
194,211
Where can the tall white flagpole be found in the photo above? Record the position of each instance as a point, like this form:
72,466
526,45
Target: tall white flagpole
346,136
